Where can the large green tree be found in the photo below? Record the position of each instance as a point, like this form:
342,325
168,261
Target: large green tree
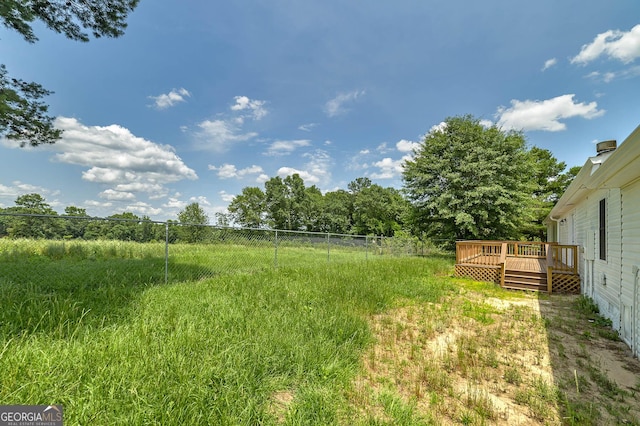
468,181
336,213
248,208
378,211
23,115
285,202
31,223
194,220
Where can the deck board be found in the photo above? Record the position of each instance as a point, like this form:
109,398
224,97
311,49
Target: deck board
529,264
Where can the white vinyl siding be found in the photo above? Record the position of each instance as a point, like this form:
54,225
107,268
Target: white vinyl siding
630,318
602,277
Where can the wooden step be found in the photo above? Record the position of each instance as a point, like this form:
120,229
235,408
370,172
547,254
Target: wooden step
525,280
528,287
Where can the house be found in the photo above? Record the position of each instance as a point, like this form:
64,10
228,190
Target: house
600,213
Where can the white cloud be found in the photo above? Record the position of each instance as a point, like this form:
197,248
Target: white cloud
227,171
486,123
286,147
9,193
255,107
319,164
609,76
545,115
383,148
227,198
407,146
364,152
218,135
336,106
440,127
262,178
316,170
18,188
620,45
306,176
170,99
201,200
221,133
98,204
112,195
250,171
118,158
143,209
307,127
549,63
389,168
175,203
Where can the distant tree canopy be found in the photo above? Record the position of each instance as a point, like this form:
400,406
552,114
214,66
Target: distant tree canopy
288,204
192,218
23,115
33,217
468,181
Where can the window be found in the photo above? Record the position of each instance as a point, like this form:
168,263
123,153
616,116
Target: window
603,229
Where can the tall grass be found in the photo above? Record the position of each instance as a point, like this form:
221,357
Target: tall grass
261,347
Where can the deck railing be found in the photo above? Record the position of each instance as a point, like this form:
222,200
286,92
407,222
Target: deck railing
563,258
527,249
479,252
492,260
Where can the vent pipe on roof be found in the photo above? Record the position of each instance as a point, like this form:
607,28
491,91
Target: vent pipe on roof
606,146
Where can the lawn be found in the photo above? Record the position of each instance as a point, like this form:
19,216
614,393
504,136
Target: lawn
357,341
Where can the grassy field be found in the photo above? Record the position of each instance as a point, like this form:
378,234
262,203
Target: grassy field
383,341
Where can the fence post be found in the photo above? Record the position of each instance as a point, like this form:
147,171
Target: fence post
328,247
275,259
166,252
366,247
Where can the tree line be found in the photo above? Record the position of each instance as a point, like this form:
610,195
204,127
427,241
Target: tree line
364,208
33,217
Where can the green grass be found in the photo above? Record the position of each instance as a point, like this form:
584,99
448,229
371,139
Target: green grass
232,340
92,326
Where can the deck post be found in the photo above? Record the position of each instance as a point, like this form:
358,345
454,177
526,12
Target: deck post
549,279
503,269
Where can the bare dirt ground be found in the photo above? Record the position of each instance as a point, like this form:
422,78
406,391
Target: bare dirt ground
487,356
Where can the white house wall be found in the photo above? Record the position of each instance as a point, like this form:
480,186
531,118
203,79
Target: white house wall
608,272
601,278
630,297
614,283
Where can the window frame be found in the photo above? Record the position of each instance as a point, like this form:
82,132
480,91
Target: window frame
602,229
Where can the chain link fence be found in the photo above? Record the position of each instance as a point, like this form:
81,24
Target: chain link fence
99,252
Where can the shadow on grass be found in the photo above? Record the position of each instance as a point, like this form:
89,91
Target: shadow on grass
597,378
59,297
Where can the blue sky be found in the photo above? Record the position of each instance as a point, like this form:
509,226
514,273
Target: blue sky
200,99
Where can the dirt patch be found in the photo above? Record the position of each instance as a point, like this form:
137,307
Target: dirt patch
494,360
279,405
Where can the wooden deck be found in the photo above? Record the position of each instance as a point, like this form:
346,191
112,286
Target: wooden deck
520,265
526,264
